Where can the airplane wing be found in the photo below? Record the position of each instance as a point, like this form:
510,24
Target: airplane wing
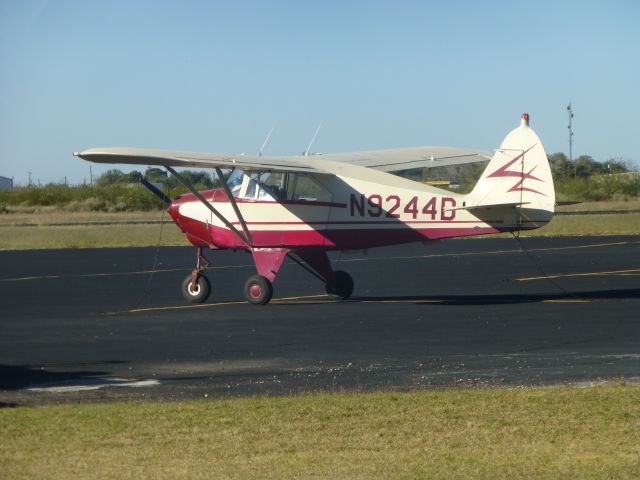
396,159
172,158
389,160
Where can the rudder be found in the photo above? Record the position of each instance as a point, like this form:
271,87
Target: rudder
517,175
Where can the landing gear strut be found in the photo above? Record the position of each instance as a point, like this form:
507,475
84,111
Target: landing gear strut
196,286
258,289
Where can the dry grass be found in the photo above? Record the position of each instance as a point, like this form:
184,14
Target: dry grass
556,432
600,206
53,215
16,235
84,236
43,229
612,224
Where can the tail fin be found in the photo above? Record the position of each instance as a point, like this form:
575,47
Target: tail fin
518,176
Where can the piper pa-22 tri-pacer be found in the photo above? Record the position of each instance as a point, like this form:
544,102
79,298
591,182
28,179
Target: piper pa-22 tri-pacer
304,206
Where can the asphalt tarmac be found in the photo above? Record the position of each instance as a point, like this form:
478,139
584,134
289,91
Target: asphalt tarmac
110,324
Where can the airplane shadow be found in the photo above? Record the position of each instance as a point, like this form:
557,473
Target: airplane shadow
491,299
18,377
498,299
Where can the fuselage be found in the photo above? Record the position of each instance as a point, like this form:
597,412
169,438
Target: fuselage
340,214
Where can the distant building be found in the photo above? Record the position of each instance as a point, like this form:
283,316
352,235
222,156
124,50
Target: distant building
6,183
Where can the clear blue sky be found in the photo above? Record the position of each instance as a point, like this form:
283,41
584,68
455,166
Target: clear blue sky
216,75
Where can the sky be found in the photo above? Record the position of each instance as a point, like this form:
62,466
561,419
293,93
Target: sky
217,75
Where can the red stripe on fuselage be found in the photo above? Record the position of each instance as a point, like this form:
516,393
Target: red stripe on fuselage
333,239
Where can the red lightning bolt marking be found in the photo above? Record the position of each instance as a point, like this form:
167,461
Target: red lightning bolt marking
505,172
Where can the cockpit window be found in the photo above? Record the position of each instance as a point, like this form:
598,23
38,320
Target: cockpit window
304,187
280,186
274,184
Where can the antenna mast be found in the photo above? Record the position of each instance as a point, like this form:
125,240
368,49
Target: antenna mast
306,152
266,140
570,112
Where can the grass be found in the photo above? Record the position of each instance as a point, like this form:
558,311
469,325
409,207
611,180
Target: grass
44,237
633,204
558,432
41,229
53,216
610,224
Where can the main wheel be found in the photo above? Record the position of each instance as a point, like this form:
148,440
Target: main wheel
258,290
198,294
340,286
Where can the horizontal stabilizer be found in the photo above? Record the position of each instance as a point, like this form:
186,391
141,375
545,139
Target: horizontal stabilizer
487,207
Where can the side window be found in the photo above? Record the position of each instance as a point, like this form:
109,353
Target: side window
304,187
273,185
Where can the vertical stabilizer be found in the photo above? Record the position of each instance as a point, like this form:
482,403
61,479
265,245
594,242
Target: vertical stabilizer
518,174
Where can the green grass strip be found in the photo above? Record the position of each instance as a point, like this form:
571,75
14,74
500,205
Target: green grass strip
559,432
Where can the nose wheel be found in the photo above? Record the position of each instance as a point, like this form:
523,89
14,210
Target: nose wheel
196,287
196,292
258,290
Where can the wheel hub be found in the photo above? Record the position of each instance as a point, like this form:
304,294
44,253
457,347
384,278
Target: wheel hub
255,291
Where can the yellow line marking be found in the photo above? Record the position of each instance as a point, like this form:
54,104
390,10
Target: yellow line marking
490,252
115,274
209,305
175,307
414,300
222,267
567,300
326,298
587,274
22,279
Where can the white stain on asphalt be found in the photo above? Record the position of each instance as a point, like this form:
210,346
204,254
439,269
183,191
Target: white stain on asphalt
91,384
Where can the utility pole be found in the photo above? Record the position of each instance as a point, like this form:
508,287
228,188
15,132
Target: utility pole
570,112
29,178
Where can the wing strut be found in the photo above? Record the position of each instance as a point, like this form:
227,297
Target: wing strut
234,204
204,201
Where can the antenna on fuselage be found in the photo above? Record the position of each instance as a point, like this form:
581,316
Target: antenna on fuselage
306,152
266,140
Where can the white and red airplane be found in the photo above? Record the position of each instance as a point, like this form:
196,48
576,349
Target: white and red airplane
304,206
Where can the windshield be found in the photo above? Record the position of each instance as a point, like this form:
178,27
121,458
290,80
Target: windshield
235,181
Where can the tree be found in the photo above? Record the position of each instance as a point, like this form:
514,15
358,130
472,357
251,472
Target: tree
558,162
133,177
110,177
154,174
616,165
586,166
194,177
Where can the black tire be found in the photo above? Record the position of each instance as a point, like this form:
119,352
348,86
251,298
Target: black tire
200,293
340,286
258,290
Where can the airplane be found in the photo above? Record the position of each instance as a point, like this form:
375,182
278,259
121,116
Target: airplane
302,207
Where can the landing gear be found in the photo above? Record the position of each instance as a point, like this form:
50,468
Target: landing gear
341,285
196,286
198,293
258,290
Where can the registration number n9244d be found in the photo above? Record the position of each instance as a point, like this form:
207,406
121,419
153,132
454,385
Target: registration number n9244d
393,206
